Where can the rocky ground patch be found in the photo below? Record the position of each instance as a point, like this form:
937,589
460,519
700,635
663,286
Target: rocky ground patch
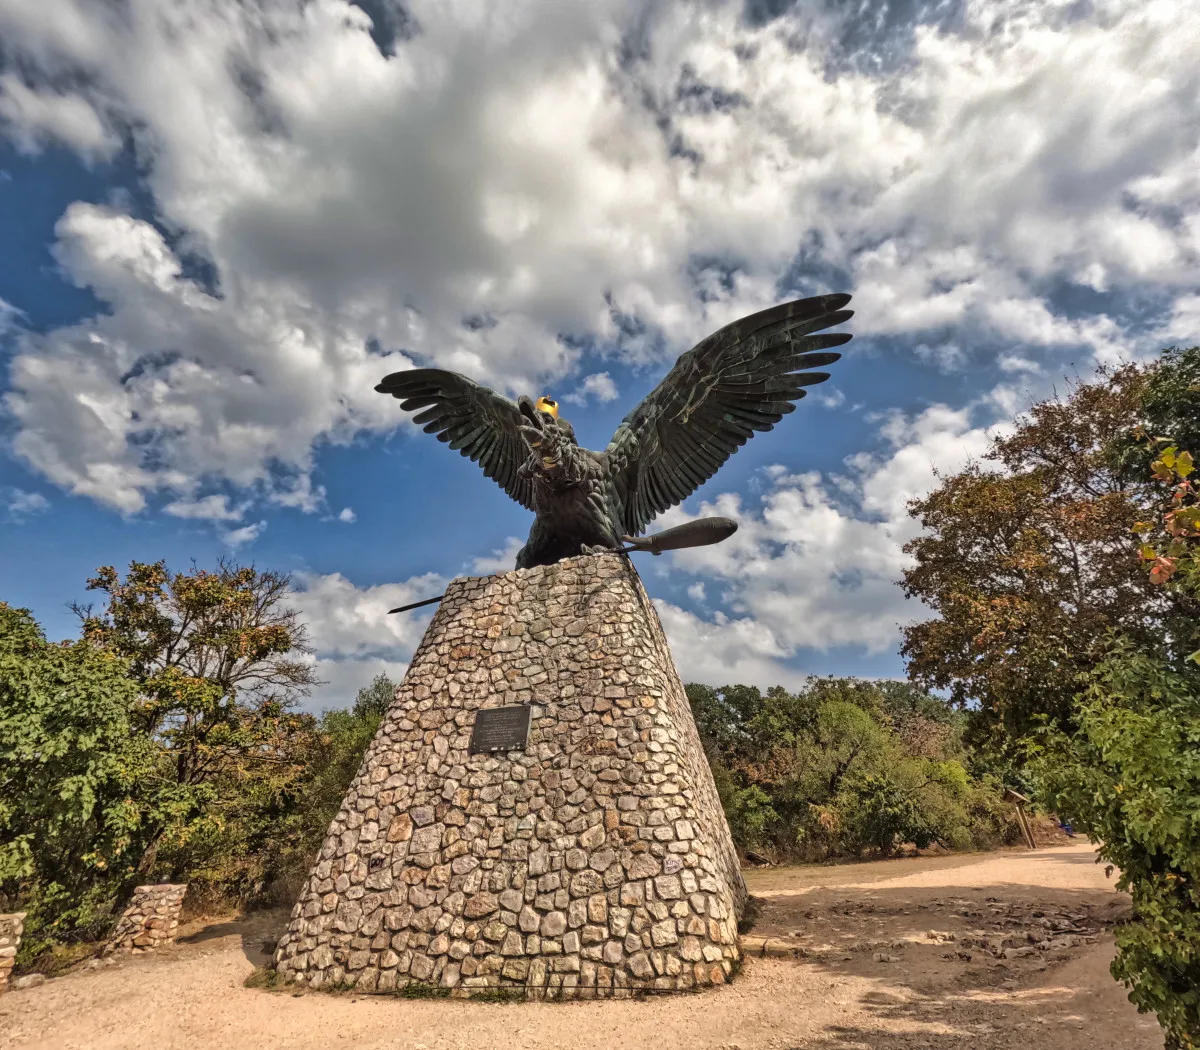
982,952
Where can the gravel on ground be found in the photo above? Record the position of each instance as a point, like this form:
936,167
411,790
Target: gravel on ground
974,952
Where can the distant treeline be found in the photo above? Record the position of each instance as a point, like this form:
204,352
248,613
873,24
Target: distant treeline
846,767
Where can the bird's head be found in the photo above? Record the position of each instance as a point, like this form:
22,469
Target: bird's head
543,413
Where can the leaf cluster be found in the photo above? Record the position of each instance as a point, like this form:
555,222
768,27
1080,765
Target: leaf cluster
843,767
1029,559
1068,586
155,747
78,782
1130,778
261,832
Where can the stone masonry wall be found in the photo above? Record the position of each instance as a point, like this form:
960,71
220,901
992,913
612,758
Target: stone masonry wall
597,862
11,928
150,920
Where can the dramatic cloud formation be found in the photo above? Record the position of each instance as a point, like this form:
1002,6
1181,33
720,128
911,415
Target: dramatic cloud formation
526,192
817,562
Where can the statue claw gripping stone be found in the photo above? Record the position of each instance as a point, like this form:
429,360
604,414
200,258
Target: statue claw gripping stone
739,380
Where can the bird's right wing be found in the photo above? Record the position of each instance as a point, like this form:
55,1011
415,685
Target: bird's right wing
477,422
742,379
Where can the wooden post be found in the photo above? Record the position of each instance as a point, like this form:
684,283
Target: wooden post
1020,801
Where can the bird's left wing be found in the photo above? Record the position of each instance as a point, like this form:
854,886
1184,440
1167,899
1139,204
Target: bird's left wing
475,421
741,379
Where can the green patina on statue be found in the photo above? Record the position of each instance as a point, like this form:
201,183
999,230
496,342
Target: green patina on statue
741,379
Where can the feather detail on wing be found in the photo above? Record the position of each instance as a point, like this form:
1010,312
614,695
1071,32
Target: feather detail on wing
742,379
475,421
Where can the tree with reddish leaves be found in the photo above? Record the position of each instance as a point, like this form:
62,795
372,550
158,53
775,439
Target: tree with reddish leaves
1028,561
1066,580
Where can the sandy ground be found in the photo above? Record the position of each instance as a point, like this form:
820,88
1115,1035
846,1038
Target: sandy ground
938,953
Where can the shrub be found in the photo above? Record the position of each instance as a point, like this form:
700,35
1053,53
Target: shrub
76,782
1130,779
845,767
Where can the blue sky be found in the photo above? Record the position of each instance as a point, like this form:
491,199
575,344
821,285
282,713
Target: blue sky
220,227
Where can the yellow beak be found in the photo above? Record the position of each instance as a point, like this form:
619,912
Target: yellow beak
544,404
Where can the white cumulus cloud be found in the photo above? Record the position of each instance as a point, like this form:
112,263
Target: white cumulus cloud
353,635
815,563
35,118
246,534
599,387
326,213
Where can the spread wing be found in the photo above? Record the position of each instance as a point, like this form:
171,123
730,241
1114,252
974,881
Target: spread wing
477,422
741,379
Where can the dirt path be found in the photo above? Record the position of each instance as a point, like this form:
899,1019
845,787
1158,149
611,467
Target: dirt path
864,972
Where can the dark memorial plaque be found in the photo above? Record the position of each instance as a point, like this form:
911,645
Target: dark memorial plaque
500,729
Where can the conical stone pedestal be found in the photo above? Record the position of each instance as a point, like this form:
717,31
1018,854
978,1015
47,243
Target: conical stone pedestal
596,862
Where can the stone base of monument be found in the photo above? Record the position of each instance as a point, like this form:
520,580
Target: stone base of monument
11,927
150,920
536,812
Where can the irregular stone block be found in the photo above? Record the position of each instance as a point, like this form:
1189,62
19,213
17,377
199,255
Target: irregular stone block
12,926
151,918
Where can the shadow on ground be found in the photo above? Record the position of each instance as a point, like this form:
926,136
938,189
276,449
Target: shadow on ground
1055,1014
956,968
256,932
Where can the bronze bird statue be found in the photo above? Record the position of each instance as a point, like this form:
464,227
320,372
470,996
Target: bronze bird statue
743,378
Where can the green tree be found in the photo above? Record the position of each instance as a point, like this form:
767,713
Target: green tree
886,813
373,701
219,658
296,817
77,780
1130,777
1169,410
332,759
843,766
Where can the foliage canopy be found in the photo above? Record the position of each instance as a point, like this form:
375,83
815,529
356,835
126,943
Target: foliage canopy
1067,592
844,767
1030,563
78,783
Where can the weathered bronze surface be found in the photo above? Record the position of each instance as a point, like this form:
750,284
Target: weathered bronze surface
739,380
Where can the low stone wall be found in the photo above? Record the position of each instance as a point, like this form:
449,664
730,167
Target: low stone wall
150,920
596,862
11,928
